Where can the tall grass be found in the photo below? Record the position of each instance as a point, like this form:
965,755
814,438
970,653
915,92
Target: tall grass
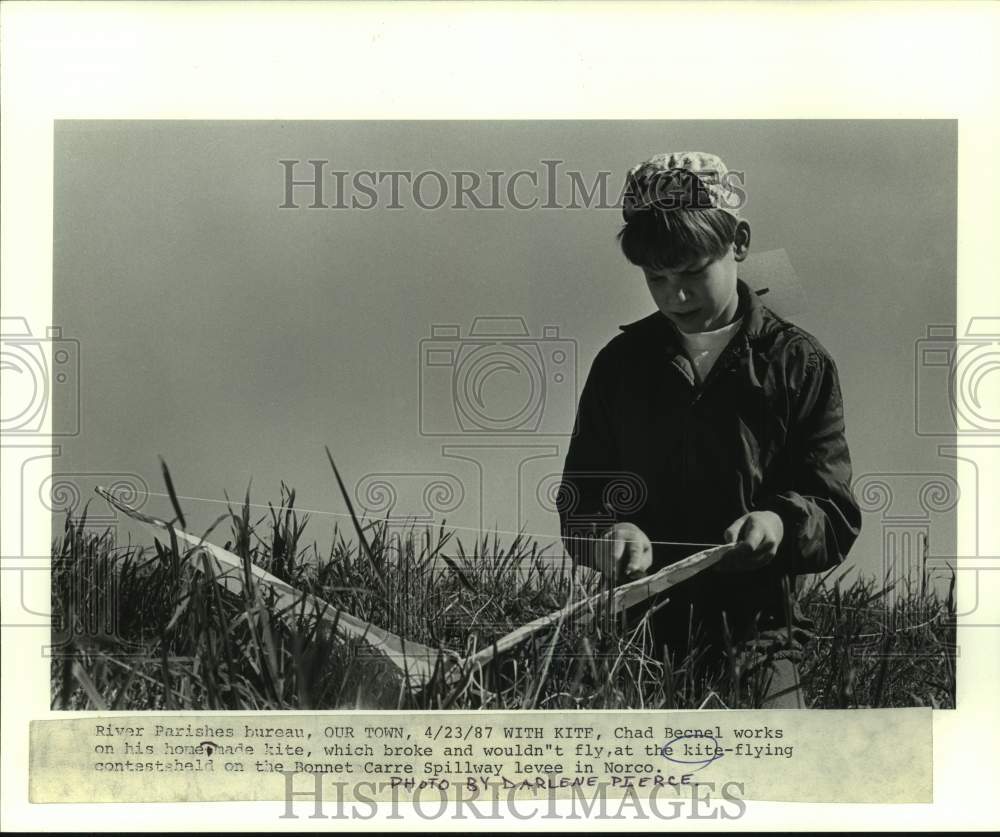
875,651
149,627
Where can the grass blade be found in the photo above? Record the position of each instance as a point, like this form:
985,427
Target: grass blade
379,575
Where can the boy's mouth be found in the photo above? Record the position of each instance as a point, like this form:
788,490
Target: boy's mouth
685,315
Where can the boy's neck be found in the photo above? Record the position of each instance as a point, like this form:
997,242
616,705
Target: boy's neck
727,327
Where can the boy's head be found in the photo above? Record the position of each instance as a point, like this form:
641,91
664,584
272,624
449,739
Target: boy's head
683,228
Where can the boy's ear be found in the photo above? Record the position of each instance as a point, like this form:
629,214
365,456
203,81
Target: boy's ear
741,241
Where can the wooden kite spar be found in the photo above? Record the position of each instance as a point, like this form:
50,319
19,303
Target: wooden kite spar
415,662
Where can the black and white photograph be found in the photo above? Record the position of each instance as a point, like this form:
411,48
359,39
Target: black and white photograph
504,415
499,415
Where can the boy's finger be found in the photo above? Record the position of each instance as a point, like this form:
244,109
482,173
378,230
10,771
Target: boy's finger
635,567
739,550
752,534
738,553
612,547
732,534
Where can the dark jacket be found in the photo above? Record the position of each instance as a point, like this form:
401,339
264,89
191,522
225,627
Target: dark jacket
683,461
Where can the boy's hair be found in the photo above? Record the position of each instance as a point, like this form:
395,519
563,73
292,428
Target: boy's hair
664,240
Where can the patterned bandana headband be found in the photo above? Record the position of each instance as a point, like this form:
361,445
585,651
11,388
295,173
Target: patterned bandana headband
682,180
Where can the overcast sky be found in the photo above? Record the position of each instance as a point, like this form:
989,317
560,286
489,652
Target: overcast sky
236,338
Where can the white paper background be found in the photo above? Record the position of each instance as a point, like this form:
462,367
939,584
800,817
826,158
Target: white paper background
526,60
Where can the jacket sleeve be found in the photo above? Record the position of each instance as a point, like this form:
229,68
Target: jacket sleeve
812,494
589,465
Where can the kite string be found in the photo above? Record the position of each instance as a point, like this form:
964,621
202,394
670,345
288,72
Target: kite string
539,535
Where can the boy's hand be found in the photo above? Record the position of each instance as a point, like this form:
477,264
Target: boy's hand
626,552
756,536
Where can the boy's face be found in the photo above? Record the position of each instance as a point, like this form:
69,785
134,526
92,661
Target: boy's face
702,295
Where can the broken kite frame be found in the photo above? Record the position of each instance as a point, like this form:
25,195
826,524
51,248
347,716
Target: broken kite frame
416,663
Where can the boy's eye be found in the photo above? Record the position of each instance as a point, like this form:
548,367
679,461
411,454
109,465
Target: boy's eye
694,271
691,273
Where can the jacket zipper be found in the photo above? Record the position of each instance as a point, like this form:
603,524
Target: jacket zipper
724,360
723,363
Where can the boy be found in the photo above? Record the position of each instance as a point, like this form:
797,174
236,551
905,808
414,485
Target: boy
724,422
